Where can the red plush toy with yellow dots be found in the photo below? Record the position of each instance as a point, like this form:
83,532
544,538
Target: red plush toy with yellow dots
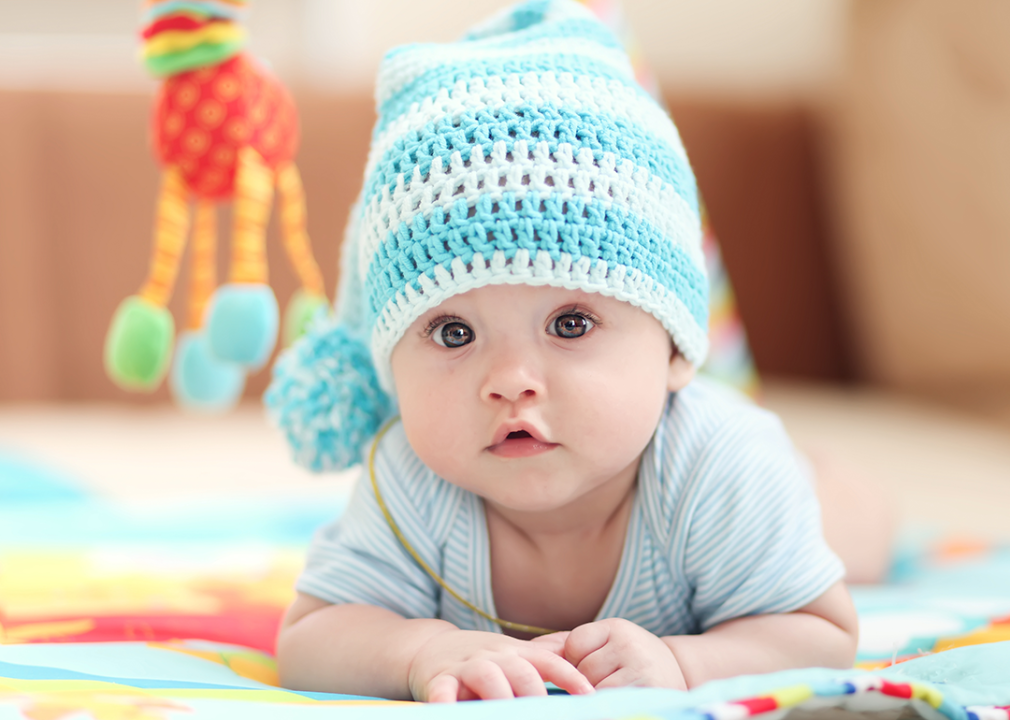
224,129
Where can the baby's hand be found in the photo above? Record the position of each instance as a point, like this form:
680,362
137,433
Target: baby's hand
470,665
618,653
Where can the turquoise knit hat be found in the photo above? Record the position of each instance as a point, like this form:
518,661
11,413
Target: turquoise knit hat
524,153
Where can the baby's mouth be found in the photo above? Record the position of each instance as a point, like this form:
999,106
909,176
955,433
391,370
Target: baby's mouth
520,443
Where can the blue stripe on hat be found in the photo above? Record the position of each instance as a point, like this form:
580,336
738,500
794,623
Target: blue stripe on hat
471,50
579,227
582,28
534,124
445,77
525,16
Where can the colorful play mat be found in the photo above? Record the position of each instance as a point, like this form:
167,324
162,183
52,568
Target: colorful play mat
114,610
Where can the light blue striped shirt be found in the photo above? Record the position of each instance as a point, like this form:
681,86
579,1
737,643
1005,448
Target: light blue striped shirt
724,524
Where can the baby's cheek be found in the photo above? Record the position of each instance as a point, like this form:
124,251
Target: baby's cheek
442,438
626,404
424,434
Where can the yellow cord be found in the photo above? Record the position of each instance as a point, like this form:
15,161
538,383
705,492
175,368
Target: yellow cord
518,627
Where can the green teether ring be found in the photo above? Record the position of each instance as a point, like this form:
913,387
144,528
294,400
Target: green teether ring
301,309
138,347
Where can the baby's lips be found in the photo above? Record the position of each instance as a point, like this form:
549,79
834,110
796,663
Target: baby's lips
510,427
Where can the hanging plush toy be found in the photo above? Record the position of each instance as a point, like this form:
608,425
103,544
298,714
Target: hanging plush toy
224,129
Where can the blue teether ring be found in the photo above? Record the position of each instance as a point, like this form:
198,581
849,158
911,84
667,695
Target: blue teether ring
242,324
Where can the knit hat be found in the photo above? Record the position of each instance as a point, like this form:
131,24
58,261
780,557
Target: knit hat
524,153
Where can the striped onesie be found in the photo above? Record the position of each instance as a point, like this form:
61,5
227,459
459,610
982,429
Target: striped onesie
724,524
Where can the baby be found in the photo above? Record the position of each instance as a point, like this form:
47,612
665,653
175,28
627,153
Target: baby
559,499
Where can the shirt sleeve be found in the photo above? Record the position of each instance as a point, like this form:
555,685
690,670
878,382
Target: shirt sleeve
358,559
753,543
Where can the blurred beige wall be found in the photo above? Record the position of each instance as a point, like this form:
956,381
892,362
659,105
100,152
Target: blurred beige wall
923,160
715,47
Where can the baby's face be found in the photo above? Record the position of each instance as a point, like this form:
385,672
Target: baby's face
533,397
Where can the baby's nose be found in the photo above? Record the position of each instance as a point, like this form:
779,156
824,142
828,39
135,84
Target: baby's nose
513,376
528,393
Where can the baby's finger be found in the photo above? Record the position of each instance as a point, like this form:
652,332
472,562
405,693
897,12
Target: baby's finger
599,665
486,680
584,640
443,689
555,642
558,671
622,677
523,677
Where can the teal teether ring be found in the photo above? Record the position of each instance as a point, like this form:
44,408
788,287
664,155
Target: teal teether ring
200,380
242,323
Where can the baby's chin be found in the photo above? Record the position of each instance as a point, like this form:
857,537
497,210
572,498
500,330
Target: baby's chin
513,486
535,498
551,482
530,506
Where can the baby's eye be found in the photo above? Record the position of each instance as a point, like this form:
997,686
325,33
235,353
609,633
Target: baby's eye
570,326
453,335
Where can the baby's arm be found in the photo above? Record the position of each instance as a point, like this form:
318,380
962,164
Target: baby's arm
366,650
616,653
821,634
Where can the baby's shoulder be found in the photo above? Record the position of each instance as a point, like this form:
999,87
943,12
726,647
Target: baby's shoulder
710,431
713,447
707,411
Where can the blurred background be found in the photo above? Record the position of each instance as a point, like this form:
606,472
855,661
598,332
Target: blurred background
854,156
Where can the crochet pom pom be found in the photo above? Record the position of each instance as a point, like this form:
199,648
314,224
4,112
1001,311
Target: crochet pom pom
325,397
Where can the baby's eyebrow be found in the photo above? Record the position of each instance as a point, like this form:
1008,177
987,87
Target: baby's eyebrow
436,316
577,307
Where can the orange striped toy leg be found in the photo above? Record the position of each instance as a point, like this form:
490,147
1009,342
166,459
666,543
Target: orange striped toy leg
254,192
199,380
296,239
140,340
171,225
242,316
310,299
203,263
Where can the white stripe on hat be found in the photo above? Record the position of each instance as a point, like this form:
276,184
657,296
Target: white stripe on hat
610,182
580,93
